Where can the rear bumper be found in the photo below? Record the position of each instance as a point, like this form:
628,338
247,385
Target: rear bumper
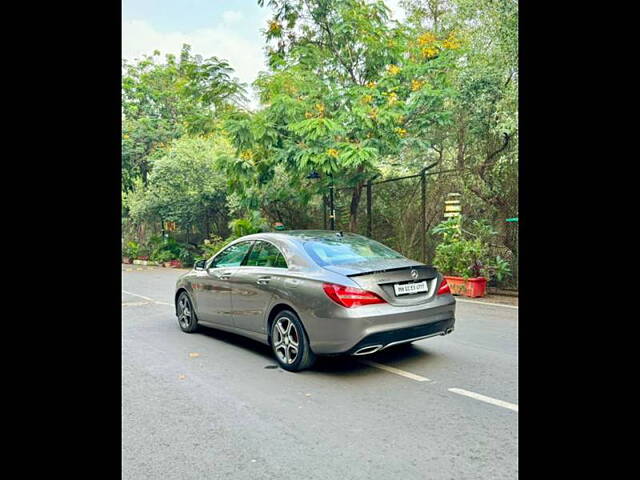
347,331
381,340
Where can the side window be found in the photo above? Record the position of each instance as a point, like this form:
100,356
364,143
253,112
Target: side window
266,255
280,261
232,256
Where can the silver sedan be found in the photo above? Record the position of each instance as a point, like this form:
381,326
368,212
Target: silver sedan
308,293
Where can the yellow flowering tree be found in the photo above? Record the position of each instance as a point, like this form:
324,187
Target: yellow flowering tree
354,74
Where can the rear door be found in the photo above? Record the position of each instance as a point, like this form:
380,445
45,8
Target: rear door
213,292
254,284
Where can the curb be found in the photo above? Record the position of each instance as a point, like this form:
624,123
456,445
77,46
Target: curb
146,263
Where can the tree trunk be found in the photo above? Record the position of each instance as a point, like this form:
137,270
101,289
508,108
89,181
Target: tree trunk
207,224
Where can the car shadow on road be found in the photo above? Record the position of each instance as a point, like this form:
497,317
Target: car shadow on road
238,341
402,356
399,357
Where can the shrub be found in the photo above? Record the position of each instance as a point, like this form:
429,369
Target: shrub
499,269
130,249
162,256
461,257
143,251
253,223
466,253
186,256
170,249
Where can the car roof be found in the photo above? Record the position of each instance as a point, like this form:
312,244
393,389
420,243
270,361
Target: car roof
303,234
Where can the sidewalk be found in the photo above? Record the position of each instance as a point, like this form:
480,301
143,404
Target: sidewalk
126,267
501,299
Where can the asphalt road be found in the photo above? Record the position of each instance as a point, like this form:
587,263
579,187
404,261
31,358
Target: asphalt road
206,406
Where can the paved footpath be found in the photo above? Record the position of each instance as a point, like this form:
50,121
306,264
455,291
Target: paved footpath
210,405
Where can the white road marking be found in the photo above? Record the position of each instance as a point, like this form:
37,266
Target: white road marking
134,304
487,303
482,398
397,371
147,298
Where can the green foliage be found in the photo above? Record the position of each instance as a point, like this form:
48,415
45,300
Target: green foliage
499,268
185,186
253,223
345,88
169,249
143,251
130,249
460,257
188,90
466,253
161,101
163,251
187,256
450,229
162,256
481,229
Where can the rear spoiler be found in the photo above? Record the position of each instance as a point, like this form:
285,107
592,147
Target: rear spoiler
430,271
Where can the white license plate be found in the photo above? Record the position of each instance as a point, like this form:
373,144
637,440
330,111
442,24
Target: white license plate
408,288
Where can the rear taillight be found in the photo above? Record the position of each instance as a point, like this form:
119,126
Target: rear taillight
444,288
350,296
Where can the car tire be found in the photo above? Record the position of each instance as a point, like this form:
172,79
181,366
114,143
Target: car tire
290,343
187,319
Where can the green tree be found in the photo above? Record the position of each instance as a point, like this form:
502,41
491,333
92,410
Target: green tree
185,186
345,88
162,101
482,139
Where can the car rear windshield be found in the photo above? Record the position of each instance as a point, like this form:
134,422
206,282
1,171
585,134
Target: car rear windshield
345,250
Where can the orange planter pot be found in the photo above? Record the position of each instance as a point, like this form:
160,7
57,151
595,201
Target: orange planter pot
471,287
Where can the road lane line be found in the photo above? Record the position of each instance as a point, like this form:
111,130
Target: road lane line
482,398
147,298
487,303
397,371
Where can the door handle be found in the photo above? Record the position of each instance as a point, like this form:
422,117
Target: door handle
263,280
224,275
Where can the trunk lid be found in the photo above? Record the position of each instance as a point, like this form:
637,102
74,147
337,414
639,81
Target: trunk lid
380,276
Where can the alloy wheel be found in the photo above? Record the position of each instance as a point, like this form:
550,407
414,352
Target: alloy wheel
184,312
286,340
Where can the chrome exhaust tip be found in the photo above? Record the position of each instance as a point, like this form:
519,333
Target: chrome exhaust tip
368,350
447,331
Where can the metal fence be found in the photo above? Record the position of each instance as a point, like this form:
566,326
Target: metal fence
401,212
398,216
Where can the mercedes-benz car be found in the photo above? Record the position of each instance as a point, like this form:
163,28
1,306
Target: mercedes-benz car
307,293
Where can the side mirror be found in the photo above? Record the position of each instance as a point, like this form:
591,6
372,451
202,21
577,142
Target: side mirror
199,265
